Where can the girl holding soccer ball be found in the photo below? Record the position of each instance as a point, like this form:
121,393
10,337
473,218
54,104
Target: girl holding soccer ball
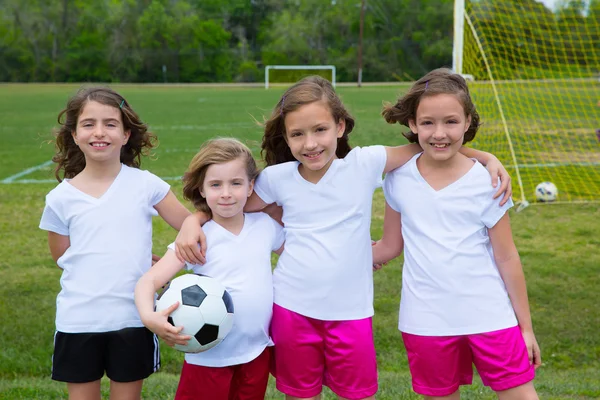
464,298
219,181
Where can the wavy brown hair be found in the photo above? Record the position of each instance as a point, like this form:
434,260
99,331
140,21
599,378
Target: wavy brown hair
275,149
69,157
438,81
214,151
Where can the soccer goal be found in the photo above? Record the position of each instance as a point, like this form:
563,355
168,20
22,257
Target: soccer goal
299,68
536,84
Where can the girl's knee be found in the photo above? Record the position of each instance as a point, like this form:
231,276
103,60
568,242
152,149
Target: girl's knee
522,392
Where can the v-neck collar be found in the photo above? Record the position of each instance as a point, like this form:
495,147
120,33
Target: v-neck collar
448,188
230,234
324,179
104,195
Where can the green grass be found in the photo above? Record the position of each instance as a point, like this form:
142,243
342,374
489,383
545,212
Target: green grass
559,244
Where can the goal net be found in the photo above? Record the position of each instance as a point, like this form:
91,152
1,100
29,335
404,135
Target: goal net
536,85
288,74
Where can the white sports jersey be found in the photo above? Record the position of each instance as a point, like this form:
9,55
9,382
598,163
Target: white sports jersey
450,282
242,264
111,248
326,269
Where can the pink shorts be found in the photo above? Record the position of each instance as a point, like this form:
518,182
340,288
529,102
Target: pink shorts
440,364
310,353
237,382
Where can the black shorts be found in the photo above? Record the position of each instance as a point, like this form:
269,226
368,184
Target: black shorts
127,355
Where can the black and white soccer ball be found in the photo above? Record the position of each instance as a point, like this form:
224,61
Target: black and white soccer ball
546,191
205,310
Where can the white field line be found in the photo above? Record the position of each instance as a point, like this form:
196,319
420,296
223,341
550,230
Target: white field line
27,171
13,178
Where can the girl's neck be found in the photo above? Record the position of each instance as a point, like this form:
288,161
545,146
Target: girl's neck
233,224
314,176
100,172
426,162
439,174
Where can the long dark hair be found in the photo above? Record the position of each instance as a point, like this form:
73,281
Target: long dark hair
438,81
275,149
69,157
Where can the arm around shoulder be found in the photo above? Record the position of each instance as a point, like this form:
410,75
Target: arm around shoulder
172,211
400,155
58,244
391,243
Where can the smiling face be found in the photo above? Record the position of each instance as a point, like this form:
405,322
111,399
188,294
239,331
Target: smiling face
312,134
226,189
440,126
100,133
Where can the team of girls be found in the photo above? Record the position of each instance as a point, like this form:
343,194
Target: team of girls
323,284
218,182
464,298
99,223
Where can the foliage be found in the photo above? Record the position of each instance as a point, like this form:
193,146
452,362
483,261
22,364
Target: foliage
232,40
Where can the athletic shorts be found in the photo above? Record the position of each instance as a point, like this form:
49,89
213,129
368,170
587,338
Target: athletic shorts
310,353
440,364
237,382
127,355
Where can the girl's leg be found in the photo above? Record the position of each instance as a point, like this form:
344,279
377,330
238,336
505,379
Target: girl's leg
126,390
503,364
523,392
303,398
249,381
453,396
350,359
366,398
439,365
84,391
298,362
204,383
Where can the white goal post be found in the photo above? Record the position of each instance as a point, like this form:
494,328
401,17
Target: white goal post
270,67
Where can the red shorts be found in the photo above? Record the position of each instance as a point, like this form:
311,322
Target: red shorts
237,382
440,364
310,353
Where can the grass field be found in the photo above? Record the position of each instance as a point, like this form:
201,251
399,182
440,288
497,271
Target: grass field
559,244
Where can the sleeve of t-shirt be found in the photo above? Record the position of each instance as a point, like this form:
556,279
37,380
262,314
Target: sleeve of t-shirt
492,211
263,187
388,191
52,221
156,188
372,160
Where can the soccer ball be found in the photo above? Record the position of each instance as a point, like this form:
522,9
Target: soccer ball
205,310
546,191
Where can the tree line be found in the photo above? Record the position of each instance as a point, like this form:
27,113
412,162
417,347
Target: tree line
232,40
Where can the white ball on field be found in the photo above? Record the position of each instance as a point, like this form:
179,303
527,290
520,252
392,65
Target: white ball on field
546,191
205,310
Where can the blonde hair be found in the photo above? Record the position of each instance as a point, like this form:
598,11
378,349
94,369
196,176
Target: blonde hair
214,151
69,157
275,149
438,81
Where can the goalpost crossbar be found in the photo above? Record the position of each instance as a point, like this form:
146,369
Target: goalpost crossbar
298,67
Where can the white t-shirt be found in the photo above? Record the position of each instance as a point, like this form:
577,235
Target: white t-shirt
450,282
242,264
326,269
111,248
